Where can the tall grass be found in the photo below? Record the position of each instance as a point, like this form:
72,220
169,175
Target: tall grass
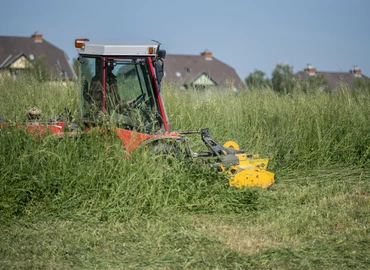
296,131
89,173
81,203
18,95
90,177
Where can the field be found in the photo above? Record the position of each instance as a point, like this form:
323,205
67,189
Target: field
77,204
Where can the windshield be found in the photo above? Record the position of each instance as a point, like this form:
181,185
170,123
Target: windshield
119,91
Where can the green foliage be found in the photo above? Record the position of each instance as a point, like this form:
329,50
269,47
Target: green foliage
282,78
257,79
37,70
41,71
91,169
311,85
362,83
18,95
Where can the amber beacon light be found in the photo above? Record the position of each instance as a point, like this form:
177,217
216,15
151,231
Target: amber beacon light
79,42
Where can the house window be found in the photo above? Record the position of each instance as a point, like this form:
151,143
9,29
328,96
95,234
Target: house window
14,72
63,73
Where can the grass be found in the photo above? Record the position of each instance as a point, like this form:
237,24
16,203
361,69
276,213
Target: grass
77,204
324,228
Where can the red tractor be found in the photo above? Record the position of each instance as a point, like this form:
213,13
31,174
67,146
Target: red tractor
121,84
120,88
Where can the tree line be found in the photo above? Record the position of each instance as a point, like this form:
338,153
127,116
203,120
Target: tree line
283,81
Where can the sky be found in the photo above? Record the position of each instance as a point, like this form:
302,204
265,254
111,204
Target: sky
332,35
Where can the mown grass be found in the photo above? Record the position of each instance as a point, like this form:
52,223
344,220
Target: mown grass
78,204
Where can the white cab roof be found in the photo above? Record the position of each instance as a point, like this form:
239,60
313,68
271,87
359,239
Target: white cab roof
119,49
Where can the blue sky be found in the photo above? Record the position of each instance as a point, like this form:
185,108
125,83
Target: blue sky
333,35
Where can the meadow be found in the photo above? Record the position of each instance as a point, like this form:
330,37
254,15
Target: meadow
76,203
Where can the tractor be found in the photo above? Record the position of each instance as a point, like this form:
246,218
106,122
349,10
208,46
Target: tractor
120,91
121,84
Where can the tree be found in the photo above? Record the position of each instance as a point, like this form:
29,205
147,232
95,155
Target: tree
313,84
258,80
362,83
282,78
40,70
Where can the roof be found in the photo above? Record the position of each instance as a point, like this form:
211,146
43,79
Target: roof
333,78
119,49
184,69
12,47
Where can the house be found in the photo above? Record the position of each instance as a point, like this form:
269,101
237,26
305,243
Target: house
333,80
19,53
200,71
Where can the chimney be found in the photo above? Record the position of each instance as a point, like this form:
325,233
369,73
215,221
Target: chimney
207,55
310,70
356,71
37,37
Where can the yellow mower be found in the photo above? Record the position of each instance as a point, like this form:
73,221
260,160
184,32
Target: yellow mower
244,169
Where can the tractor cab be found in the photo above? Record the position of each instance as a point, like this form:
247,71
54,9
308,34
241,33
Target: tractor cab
120,84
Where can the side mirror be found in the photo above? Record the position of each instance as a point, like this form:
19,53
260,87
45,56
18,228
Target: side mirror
159,70
162,54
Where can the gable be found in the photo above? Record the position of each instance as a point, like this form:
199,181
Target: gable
204,80
20,63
